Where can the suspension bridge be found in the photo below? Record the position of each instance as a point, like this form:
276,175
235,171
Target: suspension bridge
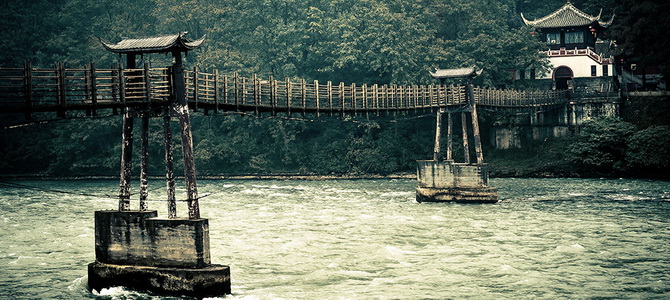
28,90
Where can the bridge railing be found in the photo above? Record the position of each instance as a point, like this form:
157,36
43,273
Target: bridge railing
59,88
519,98
245,93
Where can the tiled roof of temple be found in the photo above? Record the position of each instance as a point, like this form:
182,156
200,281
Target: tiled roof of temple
566,16
156,44
455,73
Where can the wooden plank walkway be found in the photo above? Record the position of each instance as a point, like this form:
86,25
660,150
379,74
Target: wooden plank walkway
28,90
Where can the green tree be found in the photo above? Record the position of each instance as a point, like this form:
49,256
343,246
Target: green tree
27,30
601,145
648,152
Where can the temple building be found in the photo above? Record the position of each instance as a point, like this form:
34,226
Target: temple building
578,50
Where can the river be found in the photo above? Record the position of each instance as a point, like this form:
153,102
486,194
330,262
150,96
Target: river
362,239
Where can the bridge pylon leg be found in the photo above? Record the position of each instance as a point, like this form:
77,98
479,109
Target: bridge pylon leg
169,167
126,161
181,108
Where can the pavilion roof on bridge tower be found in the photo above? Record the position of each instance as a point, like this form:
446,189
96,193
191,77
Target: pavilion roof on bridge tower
455,73
568,16
156,44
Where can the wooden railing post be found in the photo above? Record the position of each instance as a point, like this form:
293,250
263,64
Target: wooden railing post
394,98
236,80
414,96
316,97
385,99
207,89
364,100
341,99
147,85
422,95
303,96
255,93
94,89
28,89
287,86
430,96
194,82
375,97
401,97
330,97
122,85
243,90
225,89
87,87
216,91
408,97
415,93
273,95
114,87
61,91
353,97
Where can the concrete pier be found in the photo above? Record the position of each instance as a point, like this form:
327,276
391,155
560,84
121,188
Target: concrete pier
135,249
447,181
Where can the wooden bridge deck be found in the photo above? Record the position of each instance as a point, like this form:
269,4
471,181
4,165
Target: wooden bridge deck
28,90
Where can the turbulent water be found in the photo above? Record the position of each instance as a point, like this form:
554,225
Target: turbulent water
361,239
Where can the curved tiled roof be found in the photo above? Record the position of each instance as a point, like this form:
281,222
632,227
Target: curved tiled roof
568,15
155,44
455,73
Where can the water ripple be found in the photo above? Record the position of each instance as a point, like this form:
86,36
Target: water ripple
362,239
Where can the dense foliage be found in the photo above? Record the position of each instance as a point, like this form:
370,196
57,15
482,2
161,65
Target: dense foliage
362,41
610,147
641,32
601,145
226,145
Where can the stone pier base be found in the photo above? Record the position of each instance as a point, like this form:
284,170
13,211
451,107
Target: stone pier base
210,281
447,181
135,249
458,195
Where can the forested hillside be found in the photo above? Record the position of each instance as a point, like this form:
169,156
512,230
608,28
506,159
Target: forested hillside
361,41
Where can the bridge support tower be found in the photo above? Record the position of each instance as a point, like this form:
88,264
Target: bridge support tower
136,248
444,180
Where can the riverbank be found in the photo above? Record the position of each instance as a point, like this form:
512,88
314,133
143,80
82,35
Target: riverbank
398,175
509,169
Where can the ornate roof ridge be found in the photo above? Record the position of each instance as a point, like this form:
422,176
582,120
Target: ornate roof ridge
154,44
456,73
567,8
606,23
